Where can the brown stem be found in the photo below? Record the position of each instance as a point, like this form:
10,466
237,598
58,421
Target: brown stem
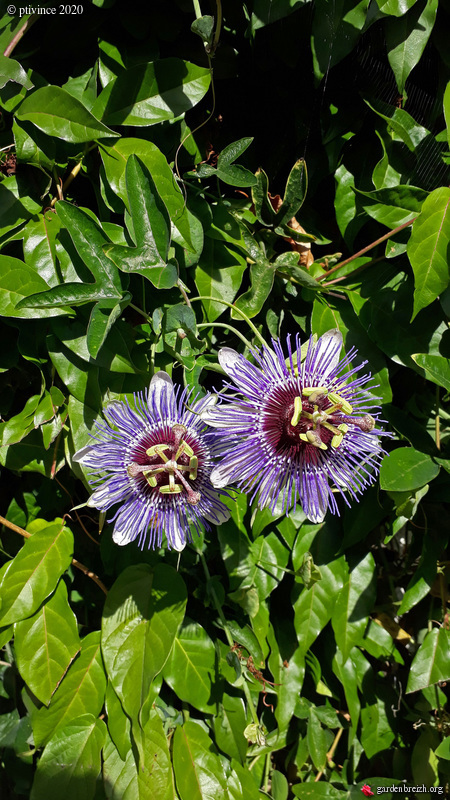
16,39
355,271
366,249
75,562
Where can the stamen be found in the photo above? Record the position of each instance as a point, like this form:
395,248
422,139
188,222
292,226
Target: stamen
313,438
158,450
338,437
340,403
297,411
314,392
193,466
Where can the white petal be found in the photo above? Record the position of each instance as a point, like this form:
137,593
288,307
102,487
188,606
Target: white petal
179,540
220,515
220,476
122,537
159,384
212,416
99,497
82,456
329,347
227,360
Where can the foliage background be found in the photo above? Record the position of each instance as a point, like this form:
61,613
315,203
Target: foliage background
147,693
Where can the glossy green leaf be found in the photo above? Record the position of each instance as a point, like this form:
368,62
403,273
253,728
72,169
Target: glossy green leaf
46,644
118,723
264,211
55,112
424,575
155,777
142,615
103,316
406,38
396,8
81,691
18,281
71,762
204,27
335,30
317,741
313,607
35,570
354,604
150,93
294,193
431,663
262,275
437,368
427,249
198,770
406,469
190,668
266,11
115,157
151,228
219,274
402,124
19,426
119,774
376,732
11,70
447,110
229,725
288,670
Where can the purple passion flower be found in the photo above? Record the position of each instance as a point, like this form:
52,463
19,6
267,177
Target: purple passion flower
155,461
297,431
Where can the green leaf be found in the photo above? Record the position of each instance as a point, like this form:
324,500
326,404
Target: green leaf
89,240
402,125
264,210
431,663
354,604
55,112
151,228
262,275
115,157
143,612
118,723
313,607
204,27
155,777
150,93
406,38
198,770
16,428
81,691
190,667
427,249
294,193
317,741
424,575
35,571
396,8
46,643
119,774
71,762
18,281
103,316
266,11
437,368
235,175
406,469
218,274
335,30
11,70
229,725
232,151
376,730
447,110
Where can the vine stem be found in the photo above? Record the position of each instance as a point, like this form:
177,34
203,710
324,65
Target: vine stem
437,421
365,250
197,9
225,325
228,635
85,570
231,305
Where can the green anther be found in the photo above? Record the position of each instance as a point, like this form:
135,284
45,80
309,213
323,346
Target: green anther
339,402
303,437
158,450
193,464
310,391
297,411
184,448
149,477
315,440
338,437
175,489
